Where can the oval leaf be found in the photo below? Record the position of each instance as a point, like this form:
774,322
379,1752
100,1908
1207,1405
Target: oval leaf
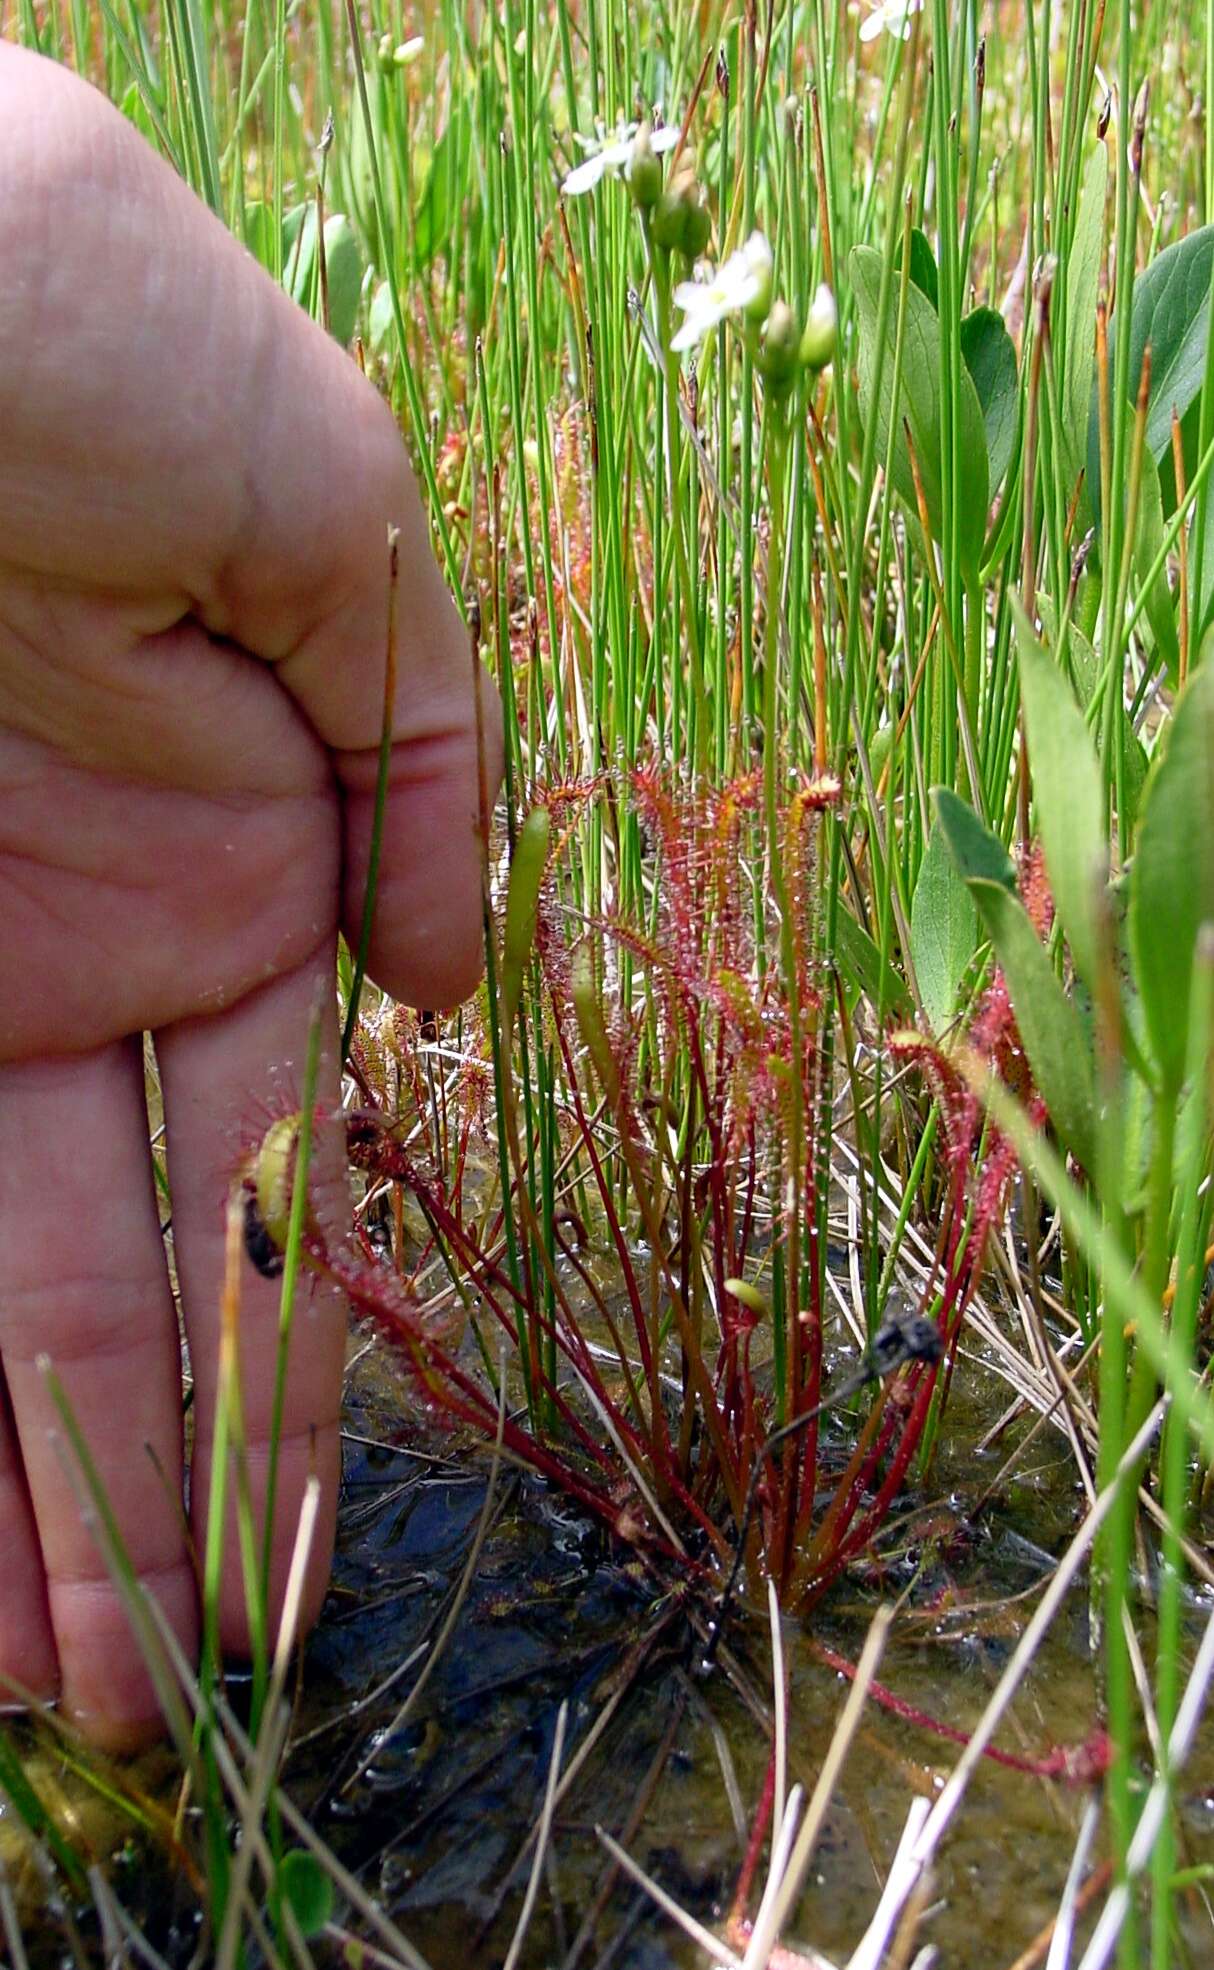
919,406
1172,876
1160,608
344,273
1170,309
307,1889
990,357
943,929
1068,795
975,850
1082,284
922,266
1057,1046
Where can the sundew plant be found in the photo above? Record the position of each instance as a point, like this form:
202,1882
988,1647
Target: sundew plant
814,408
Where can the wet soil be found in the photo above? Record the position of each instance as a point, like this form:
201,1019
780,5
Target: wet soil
434,1812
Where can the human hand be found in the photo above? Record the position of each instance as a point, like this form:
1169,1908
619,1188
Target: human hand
195,491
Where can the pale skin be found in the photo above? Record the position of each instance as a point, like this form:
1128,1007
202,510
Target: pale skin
196,487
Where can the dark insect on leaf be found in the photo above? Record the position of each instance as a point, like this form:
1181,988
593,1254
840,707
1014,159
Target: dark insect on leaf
259,1245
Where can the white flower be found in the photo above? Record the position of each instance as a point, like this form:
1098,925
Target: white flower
890,17
613,154
744,282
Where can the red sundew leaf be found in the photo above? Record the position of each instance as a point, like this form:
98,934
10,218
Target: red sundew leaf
958,1107
1035,892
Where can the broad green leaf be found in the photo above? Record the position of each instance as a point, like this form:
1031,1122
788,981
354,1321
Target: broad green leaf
380,320
1067,794
1160,607
976,851
1205,597
259,230
307,1888
446,183
863,967
135,109
343,267
919,406
1137,766
1082,287
1171,311
922,266
354,190
1172,876
1057,1046
943,929
1190,446
1085,674
990,357
1080,657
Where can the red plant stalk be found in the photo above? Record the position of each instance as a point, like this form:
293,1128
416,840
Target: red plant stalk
755,1071
384,1158
1081,1764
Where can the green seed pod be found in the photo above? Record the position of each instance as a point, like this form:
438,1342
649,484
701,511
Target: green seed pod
668,221
821,330
697,224
273,1176
778,357
522,907
678,199
644,170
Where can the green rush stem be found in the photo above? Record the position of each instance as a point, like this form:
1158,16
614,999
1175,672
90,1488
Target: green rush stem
387,261
686,609
1196,1210
296,1225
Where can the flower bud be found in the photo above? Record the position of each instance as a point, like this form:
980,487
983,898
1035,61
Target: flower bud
821,330
778,355
644,170
697,225
670,212
383,53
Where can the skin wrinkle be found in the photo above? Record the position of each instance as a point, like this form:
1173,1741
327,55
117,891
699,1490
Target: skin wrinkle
143,877
114,710
67,1350
262,969
82,1580
219,610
